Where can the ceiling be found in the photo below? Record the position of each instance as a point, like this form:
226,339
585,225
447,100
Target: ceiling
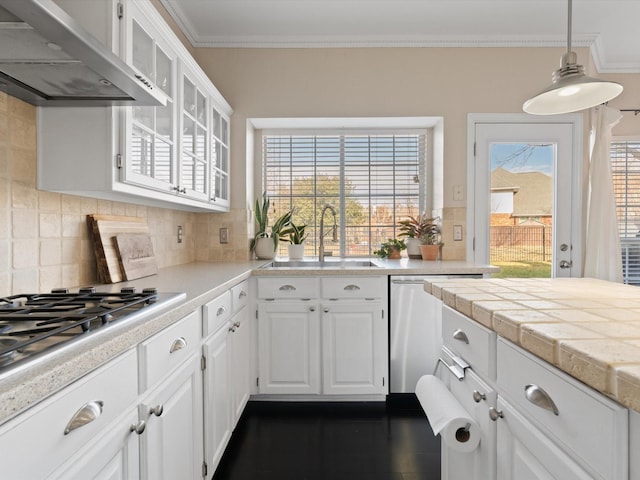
610,28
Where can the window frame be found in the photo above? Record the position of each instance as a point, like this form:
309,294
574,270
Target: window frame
424,170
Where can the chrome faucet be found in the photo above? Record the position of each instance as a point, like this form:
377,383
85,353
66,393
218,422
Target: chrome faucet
334,228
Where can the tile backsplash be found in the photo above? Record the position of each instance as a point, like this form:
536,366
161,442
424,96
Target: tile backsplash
44,240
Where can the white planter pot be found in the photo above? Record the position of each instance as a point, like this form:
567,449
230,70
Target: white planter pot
413,248
264,248
296,251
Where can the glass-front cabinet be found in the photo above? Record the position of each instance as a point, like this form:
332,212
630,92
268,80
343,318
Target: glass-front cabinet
151,136
174,156
219,159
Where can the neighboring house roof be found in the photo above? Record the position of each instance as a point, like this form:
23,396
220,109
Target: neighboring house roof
532,191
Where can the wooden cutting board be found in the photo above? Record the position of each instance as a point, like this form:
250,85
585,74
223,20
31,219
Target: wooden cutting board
104,228
135,251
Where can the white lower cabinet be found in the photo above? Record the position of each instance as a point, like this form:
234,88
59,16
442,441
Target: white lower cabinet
240,366
172,444
525,453
217,397
73,427
326,336
354,349
289,348
115,456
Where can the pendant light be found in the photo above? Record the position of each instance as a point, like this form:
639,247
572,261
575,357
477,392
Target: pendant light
571,90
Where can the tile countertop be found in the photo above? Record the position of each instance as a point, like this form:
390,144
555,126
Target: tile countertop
22,387
588,328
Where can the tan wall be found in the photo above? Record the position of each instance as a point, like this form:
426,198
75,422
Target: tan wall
44,241
448,82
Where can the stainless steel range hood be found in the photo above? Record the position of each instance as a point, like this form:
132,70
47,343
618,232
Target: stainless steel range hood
48,59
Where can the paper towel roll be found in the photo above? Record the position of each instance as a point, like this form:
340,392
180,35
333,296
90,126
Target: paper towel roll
447,417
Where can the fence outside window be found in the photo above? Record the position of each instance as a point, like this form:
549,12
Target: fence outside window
521,243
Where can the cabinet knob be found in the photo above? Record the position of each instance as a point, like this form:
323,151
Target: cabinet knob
178,344
138,427
540,398
461,336
87,414
478,397
232,329
236,324
157,410
312,309
495,414
325,310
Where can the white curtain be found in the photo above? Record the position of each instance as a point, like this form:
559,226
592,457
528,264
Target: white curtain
602,256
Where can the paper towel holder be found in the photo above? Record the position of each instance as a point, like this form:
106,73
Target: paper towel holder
458,370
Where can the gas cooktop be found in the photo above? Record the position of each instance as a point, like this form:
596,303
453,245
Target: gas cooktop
33,324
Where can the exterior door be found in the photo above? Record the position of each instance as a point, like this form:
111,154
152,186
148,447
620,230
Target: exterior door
526,174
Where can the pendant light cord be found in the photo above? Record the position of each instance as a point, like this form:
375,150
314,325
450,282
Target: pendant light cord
569,26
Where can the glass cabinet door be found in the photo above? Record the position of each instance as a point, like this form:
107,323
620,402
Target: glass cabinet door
150,130
219,160
195,132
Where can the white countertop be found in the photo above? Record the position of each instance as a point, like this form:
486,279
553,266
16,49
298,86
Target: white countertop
201,282
588,328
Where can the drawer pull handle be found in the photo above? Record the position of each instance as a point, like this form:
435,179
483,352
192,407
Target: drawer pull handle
242,294
178,344
138,428
495,414
221,311
540,398
352,287
87,414
461,336
458,368
312,309
157,410
478,397
287,288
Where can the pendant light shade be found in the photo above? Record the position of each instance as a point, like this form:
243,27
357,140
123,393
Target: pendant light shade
571,90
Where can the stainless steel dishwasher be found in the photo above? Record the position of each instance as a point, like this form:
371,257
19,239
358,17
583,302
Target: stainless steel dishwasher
415,330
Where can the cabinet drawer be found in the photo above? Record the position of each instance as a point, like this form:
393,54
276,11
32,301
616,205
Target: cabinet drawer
588,426
283,287
216,313
471,341
353,287
240,296
166,350
35,443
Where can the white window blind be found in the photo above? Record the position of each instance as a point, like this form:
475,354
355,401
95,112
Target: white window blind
372,180
625,170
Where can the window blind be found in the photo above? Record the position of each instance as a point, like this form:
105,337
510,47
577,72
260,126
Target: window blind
625,172
373,181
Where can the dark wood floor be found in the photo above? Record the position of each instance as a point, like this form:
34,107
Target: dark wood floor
332,441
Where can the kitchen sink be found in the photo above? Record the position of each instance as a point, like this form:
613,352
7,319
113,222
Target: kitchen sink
314,264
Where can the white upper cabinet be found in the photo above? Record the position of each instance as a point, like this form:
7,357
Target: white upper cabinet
174,156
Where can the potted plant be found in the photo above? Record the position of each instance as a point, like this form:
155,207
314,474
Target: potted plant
265,244
413,228
431,243
391,249
296,236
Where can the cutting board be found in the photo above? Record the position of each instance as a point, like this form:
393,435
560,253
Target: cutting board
104,229
135,252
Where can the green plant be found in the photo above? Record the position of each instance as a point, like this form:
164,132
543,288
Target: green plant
416,227
261,211
295,234
389,247
432,236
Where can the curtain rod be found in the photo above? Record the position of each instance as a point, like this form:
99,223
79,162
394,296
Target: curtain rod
636,111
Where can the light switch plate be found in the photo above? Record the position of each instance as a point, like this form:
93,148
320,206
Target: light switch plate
224,235
457,233
458,193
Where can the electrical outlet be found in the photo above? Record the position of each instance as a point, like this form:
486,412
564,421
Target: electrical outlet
179,233
224,235
457,233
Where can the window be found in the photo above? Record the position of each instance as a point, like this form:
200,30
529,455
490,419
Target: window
373,180
625,170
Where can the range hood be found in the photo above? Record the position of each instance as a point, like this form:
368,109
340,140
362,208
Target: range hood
48,59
